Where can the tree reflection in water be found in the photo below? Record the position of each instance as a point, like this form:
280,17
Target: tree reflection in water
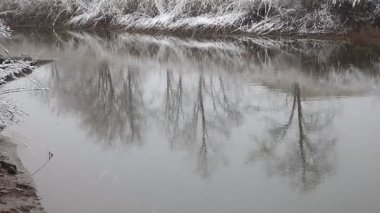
173,106
119,111
197,94
109,102
208,111
305,161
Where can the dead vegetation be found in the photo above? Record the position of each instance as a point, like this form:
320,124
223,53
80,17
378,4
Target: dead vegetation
17,193
196,16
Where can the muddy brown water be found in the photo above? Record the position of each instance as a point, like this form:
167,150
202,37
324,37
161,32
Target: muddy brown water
161,124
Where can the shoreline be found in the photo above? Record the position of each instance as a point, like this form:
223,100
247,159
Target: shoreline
17,191
363,34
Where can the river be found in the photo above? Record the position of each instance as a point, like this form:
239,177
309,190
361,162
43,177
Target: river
143,124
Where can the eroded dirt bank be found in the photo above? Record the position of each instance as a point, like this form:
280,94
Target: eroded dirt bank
17,190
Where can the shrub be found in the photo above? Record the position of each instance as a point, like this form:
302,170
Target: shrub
227,16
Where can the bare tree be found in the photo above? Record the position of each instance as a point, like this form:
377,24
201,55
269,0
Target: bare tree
306,162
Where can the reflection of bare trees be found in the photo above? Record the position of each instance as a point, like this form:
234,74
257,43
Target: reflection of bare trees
200,103
134,104
320,64
305,161
206,113
312,165
108,100
106,90
173,107
119,107
199,112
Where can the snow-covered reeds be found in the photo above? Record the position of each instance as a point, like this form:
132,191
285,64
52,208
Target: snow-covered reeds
12,68
196,16
4,29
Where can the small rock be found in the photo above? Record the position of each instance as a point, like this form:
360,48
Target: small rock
10,168
23,186
19,190
4,191
25,209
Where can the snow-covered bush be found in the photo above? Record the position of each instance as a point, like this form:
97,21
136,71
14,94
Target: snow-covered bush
9,112
4,29
213,16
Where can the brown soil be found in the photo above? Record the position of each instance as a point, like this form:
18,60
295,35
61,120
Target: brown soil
17,190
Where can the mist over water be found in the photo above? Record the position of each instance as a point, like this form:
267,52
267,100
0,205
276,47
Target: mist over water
162,124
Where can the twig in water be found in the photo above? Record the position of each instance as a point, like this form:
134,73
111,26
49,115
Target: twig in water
43,165
22,90
32,80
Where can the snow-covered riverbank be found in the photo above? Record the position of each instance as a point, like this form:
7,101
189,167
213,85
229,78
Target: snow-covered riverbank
254,17
17,189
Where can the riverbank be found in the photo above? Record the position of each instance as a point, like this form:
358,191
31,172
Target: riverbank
17,190
208,17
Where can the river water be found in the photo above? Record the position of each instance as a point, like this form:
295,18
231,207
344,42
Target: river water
146,124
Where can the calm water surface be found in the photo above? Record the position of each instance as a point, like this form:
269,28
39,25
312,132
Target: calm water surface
160,124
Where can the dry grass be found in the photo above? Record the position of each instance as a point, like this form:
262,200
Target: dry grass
202,16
